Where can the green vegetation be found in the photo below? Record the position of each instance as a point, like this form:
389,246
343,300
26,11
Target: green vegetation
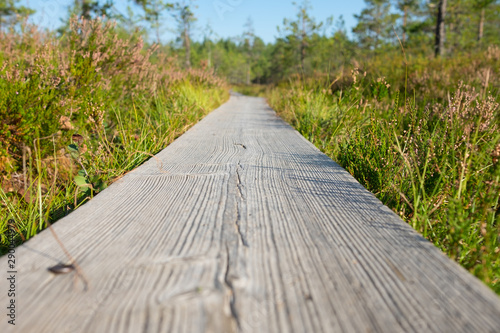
81,110
409,106
415,120
435,165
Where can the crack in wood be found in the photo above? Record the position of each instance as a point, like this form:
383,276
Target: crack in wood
234,241
325,255
239,202
241,145
228,281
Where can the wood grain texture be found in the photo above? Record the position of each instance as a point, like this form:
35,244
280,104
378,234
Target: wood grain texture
244,226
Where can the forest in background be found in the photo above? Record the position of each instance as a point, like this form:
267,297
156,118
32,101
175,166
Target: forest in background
81,107
407,102
305,46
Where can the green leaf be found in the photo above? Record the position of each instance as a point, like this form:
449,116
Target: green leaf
73,147
100,185
74,151
82,173
81,181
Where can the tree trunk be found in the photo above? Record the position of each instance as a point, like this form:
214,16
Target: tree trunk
157,22
481,25
303,44
440,29
187,45
302,54
405,19
157,32
248,74
86,9
378,32
209,62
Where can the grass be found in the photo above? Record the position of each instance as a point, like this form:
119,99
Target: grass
78,112
434,162
258,90
54,189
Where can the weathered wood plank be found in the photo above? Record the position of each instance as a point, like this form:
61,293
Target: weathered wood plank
244,226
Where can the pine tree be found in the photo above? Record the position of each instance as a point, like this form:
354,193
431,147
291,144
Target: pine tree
407,7
185,18
440,29
248,43
10,10
480,6
298,32
375,24
153,13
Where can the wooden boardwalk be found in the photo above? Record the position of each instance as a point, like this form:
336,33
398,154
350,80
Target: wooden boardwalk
241,225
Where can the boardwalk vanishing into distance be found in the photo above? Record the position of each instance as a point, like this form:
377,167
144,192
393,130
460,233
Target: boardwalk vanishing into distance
242,225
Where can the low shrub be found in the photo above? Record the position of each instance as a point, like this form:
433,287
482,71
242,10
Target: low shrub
79,111
435,163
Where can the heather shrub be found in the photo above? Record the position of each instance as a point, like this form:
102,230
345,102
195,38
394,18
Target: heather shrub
49,86
78,111
435,163
424,78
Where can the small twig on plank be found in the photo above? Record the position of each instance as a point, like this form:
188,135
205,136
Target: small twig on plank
62,269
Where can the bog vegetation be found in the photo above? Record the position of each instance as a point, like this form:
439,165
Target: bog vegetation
408,104
79,110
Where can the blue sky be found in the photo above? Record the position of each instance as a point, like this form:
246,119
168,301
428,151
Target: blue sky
227,17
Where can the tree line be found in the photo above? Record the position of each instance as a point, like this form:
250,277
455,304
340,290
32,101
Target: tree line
433,28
